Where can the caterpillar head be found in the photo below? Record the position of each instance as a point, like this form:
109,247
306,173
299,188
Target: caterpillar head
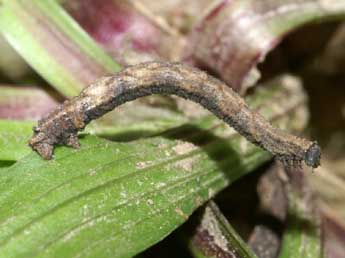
313,155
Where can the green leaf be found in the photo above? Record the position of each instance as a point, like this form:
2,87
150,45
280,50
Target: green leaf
112,199
54,44
5,164
301,239
14,136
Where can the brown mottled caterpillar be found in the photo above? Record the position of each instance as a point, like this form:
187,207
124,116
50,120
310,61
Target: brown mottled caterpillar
61,126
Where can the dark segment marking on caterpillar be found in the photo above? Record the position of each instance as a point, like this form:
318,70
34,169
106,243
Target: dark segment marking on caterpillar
60,127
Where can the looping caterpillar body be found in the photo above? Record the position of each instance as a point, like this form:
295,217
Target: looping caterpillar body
61,126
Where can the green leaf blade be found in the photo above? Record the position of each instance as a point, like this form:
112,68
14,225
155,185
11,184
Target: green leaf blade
14,136
134,189
112,199
53,44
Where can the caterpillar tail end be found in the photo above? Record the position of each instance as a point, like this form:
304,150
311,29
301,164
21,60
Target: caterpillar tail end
44,145
45,150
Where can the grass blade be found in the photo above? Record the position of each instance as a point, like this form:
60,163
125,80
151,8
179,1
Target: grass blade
54,44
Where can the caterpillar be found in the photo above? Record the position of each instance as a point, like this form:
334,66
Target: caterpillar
60,127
